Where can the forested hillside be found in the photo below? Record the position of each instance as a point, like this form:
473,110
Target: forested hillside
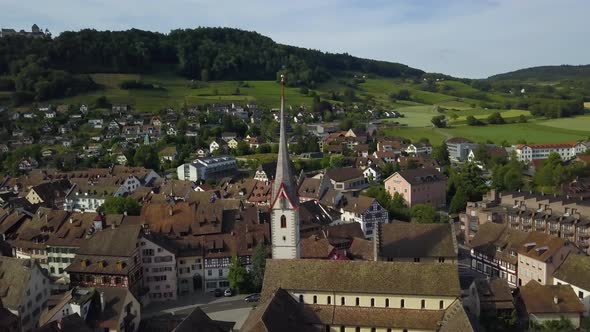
547,73
40,69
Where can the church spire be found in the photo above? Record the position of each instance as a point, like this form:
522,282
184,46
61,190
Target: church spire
284,176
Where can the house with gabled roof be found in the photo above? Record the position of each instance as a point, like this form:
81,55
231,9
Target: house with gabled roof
419,186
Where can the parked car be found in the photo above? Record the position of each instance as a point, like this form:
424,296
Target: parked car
253,298
228,292
217,292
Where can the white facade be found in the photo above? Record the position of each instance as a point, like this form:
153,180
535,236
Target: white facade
58,258
583,294
83,202
418,149
205,168
368,220
531,152
159,271
190,273
34,299
371,173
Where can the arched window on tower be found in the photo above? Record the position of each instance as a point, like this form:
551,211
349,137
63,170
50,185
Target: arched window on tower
283,221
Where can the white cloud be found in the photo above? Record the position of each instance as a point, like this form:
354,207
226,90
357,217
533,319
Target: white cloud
457,37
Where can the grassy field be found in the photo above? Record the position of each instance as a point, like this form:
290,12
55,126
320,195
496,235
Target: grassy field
176,91
579,123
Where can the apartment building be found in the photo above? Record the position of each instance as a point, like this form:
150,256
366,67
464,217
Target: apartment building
459,148
566,151
539,257
158,260
555,215
329,295
206,168
419,186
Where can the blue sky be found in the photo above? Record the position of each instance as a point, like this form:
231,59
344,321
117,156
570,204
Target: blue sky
466,38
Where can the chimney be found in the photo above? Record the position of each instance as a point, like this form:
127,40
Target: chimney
376,240
555,300
102,301
170,211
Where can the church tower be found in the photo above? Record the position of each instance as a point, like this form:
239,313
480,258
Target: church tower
284,203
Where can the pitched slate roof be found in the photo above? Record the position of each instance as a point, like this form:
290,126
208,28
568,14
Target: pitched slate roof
492,236
361,277
575,270
539,299
14,278
71,323
279,313
344,174
494,294
314,247
402,239
198,320
361,249
542,246
358,204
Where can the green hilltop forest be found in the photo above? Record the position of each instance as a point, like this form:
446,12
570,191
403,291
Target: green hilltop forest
210,65
41,69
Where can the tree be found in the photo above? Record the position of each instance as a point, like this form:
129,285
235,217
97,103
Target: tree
336,160
458,202
258,266
561,325
243,148
439,121
121,205
238,275
423,214
472,121
496,118
147,157
403,94
441,154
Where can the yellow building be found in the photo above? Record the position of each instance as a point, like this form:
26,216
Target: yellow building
351,296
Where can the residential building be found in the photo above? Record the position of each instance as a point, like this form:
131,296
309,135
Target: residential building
66,240
347,179
110,258
490,298
217,144
566,151
206,168
266,171
372,173
419,186
366,211
494,251
409,242
49,194
24,289
418,148
459,148
555,215
326,295
542,303
76,301
574,272
158,260
168,154
539,257
9,322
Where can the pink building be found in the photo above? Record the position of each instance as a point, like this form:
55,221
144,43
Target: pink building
419,186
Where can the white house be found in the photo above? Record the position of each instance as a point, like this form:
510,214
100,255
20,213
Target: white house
159,265
366,211
96,123
419,148
570,273
24,289
372,173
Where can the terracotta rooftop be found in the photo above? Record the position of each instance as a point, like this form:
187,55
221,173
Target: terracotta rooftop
539,299
402,239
